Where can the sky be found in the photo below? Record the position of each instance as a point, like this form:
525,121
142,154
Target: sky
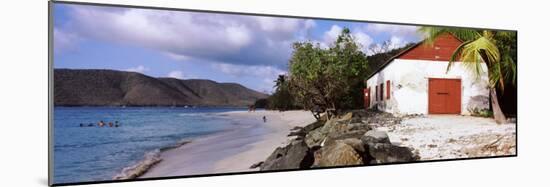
244,49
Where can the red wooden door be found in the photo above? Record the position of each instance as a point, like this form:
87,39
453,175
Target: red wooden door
444,96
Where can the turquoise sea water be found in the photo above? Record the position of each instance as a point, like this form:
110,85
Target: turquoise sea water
83,154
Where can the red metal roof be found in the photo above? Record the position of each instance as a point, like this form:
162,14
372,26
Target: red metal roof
446,42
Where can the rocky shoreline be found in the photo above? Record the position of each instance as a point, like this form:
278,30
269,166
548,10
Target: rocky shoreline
362,137
346,140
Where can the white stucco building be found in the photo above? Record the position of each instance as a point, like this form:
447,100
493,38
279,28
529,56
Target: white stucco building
416,81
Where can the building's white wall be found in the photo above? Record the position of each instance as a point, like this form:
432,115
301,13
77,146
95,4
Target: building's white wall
409,86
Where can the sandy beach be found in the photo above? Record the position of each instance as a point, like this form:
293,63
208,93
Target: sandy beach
450,137
236,150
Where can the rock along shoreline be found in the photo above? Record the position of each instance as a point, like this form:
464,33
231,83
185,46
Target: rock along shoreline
347,140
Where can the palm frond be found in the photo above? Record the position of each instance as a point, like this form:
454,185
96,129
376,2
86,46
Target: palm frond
430,33
464,34
455,57
494,48
476,52
507,71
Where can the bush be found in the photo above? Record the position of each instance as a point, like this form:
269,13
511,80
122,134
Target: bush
328,78
486,113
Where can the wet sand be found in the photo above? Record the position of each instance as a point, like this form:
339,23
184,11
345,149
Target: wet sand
236,150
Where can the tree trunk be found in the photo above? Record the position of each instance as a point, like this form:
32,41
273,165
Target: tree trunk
497,112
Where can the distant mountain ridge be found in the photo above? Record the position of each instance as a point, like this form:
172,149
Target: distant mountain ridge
92,87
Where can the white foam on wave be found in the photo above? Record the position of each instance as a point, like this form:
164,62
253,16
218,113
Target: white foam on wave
149,160
138,169
178,144
191,114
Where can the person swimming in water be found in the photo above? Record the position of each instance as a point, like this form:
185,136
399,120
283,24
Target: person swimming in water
110,124
116,124
81,125
101,123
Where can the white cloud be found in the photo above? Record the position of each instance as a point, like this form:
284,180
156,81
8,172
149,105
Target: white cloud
359,36
138,69
240,70
331,35
266,74
396,42
177,57
64,41
310,24
181,35
393,43
278,24
399,30
363,39
399,35
175,74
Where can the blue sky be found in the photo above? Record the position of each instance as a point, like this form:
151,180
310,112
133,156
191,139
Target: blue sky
250,50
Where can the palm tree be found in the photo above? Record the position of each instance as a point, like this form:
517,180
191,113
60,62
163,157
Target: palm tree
494,48
280,82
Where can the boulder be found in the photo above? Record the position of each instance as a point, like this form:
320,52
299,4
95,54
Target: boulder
295,155
359,126
313,126
297,128
256,165
331,138
298,133
345,118
334,127
388,153
374,136
337,154
357,144
330,130
328,124
314,138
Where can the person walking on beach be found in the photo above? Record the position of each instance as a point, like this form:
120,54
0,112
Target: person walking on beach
265,119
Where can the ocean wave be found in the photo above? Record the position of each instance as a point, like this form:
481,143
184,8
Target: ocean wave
178,144
138,169
204,114
149,160
191,114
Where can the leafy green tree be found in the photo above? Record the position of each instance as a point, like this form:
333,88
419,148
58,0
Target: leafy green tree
328,78
497,49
